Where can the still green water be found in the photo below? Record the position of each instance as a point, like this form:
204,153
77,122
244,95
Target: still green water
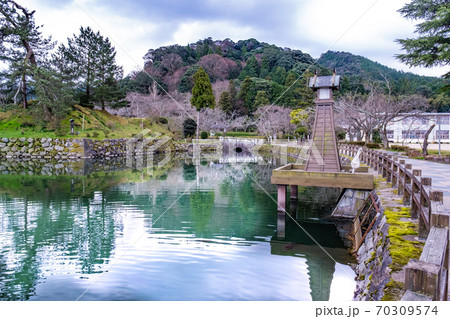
184,232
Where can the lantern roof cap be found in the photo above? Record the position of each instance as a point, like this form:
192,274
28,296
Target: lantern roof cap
329,81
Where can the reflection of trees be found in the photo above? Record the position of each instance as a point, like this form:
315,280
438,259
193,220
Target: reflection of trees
189,173
202,204
52,225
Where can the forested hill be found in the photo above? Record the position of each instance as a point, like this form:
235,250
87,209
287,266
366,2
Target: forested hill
174,66
358,68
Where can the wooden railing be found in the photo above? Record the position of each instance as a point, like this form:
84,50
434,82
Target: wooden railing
426,278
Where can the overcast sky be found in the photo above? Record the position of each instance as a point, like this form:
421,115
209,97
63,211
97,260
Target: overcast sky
362,27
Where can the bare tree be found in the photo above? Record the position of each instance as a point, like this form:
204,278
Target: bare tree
272,119
378,109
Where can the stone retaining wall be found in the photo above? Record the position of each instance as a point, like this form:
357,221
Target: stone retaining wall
54,148
48,148
45,167
372,270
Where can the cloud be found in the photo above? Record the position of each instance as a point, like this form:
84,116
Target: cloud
362,27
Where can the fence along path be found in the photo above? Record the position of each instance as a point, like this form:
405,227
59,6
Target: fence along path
426,278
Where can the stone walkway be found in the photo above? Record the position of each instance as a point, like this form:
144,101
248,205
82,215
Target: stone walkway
440,173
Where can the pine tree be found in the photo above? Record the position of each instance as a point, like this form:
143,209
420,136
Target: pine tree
97,74
53,96
22,45
431,48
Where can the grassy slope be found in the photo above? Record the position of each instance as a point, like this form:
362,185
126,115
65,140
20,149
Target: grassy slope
98,124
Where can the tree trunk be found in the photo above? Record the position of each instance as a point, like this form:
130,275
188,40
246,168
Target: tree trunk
198,120
24,91
425,141
385,138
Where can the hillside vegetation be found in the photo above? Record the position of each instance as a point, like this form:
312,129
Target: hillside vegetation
98,124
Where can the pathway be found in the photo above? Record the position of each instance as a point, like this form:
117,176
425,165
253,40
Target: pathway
440,173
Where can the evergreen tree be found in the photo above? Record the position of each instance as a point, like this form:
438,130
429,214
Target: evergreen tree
279,75
97,74
305,94
251,69
22,46
245,93
260,99
202,94
189,127
431,48
53,96
265,67
187,83
225,102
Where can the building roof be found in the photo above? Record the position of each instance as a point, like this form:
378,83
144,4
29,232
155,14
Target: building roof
329,81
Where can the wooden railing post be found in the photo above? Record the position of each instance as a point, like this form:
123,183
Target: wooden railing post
394,172
401,177
389,169
416,187
425,207
407,187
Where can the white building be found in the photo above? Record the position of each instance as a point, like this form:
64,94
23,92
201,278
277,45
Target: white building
412,129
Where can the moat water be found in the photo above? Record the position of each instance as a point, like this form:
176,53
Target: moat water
205,230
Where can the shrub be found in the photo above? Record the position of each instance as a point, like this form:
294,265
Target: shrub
373,145
401,148
88,135
189,127
163,120
359,143
340,133
26,124
376,137
95,134
60,131
204,135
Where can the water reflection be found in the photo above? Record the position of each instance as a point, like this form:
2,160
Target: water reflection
190,232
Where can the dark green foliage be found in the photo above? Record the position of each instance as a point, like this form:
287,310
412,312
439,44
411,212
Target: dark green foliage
163,120
340,133
22,46
53,97
401,148
204,135
376,137
431,47
202,94
373,145
260,99
225,102
251,68
279,75
359,143
189,127
245,93
92,58
187,82
141,82
356,70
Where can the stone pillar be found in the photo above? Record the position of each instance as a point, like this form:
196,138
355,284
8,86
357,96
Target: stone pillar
281,207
